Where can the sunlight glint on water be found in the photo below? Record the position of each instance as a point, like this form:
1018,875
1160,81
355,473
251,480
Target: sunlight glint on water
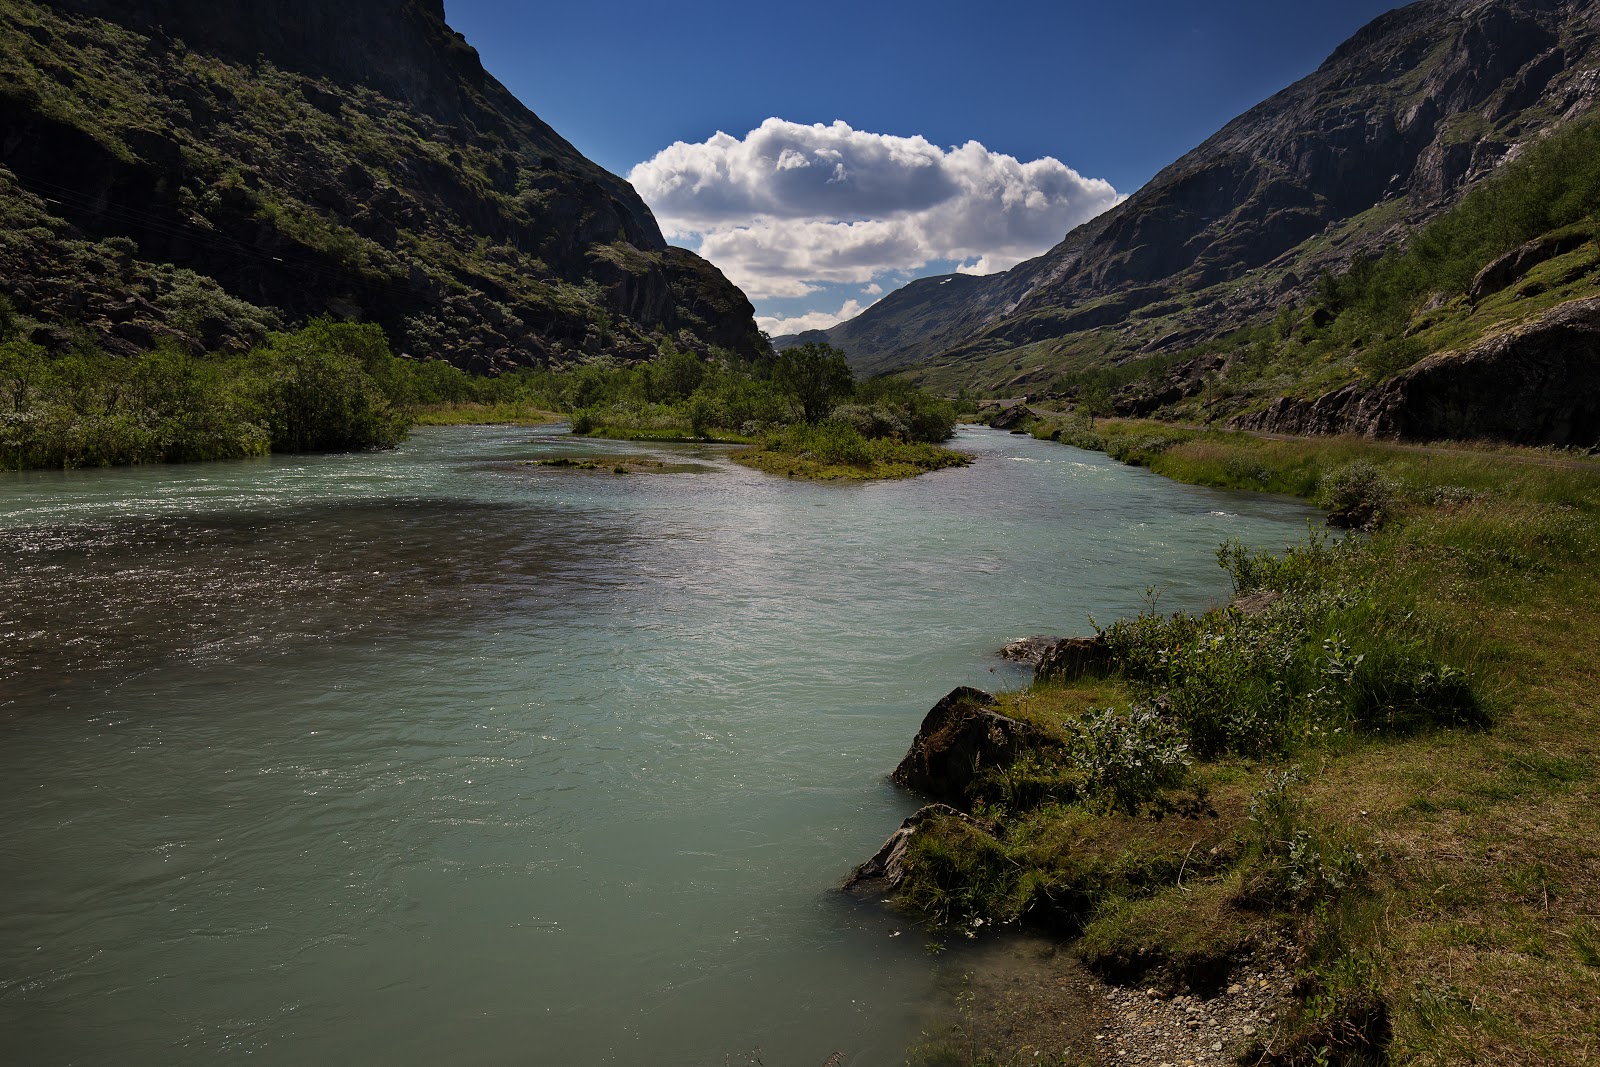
428,756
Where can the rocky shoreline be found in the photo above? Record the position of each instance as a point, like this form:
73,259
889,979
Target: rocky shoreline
1035,995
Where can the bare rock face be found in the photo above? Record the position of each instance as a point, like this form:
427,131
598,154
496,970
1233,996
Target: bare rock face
1538,384
1029,650
886,869
960,738
1073,658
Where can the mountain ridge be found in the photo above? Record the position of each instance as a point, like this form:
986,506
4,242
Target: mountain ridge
290,159
1404,116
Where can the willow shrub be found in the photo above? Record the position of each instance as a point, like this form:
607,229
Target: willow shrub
330,386
1332,656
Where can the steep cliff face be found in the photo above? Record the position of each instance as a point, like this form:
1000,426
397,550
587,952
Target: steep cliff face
285,158
1385,135
1535,384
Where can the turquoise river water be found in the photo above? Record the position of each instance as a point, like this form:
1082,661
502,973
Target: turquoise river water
427,756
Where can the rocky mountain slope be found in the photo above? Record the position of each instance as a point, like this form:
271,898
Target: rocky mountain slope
205,171
1402,118
1537,383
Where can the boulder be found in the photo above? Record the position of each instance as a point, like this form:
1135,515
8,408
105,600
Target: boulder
1012,417
1256,603
886,869
1029,650
1072,658
960,738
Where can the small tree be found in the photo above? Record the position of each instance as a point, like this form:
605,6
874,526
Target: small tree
1094,401
816,376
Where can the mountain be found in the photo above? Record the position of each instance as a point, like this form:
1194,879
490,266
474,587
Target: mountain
205,171
1417,107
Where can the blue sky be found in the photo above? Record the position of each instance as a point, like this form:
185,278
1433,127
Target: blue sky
1053,109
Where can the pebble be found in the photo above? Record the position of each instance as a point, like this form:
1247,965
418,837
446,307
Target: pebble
1149,1029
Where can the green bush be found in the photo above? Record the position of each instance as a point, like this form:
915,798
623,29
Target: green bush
1325,660
1291,861
1358,496
321,388
831,442
1128,756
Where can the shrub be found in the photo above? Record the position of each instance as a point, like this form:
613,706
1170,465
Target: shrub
1293,861
1326,658
871,421
321,389
1358,496
704,415
1129,756
830,442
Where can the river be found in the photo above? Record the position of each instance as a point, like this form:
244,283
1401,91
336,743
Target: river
432,756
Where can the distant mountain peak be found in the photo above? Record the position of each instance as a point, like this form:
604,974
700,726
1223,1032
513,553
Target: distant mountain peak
1414,108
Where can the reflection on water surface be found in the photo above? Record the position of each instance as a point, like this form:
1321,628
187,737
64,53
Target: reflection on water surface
434,755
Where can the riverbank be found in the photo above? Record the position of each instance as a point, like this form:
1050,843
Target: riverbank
505,413
826,452
830,454
1382,777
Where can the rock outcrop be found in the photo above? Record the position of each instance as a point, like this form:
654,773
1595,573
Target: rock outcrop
1536,384
886,869
203,172
1011,418
1073,658
1510,268
1029,650
960,738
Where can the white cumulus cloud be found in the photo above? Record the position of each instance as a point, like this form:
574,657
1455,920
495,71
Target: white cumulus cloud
782,325
791,207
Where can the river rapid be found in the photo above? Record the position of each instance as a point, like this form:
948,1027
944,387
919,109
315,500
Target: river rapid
432,756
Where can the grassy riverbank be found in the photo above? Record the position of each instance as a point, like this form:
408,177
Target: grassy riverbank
803,417
1385,778
503,413
836,451
334,386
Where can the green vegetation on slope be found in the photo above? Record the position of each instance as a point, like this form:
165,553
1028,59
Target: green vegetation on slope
1535,221
1385,776
417,194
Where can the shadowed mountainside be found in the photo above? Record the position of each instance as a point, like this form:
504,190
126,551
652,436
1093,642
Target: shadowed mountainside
1418,106
207,171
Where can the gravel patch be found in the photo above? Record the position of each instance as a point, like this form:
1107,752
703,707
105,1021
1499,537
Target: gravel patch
1145,1027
